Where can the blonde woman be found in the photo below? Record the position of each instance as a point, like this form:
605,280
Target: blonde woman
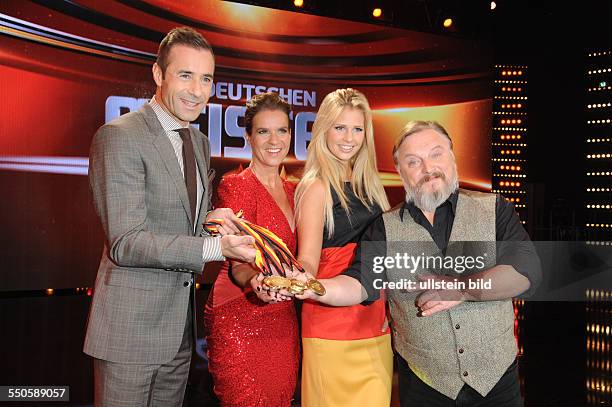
347,357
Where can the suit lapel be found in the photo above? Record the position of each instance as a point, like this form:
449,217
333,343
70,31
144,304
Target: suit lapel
168,156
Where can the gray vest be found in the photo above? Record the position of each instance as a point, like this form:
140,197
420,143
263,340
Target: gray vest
471,343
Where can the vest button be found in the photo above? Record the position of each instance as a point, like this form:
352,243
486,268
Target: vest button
186,284
457,326
465,373
460,350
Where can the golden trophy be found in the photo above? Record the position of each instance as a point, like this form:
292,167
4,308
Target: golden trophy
272,255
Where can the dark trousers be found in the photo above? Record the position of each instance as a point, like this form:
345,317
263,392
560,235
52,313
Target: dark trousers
414,393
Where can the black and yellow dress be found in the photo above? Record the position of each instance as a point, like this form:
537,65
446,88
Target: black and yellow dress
347,358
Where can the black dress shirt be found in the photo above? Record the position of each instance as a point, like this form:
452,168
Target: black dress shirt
508,228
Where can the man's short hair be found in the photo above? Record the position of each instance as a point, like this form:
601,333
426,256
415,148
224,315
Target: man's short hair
180,36
415,126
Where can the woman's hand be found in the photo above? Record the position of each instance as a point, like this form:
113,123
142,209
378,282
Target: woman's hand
304,277
267,294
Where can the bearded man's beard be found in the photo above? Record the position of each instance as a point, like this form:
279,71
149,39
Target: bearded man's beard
429,201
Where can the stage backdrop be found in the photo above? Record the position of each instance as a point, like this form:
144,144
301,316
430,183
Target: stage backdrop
68,67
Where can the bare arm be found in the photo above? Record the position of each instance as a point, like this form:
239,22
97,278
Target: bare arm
340,291
310,227
356,284
242,273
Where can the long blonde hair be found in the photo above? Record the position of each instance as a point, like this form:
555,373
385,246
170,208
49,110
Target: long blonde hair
321,164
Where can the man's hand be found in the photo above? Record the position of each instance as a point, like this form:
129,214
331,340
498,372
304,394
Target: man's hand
238,248
227,227
431,302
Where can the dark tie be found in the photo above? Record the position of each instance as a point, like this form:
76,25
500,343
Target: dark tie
189,167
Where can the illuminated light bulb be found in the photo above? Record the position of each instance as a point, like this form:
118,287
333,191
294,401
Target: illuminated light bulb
447,22
298,3
377,12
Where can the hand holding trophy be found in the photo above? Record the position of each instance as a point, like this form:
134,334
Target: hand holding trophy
281,271
295,282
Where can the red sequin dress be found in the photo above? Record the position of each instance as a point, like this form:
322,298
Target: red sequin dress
253,347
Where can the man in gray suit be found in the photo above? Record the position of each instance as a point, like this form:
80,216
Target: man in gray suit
149,176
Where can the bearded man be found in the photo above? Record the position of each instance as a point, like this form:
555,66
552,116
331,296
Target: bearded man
454,340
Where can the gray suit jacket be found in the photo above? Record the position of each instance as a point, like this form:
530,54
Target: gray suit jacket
141,297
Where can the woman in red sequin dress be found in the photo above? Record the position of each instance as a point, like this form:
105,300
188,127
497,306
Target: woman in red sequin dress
253,347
